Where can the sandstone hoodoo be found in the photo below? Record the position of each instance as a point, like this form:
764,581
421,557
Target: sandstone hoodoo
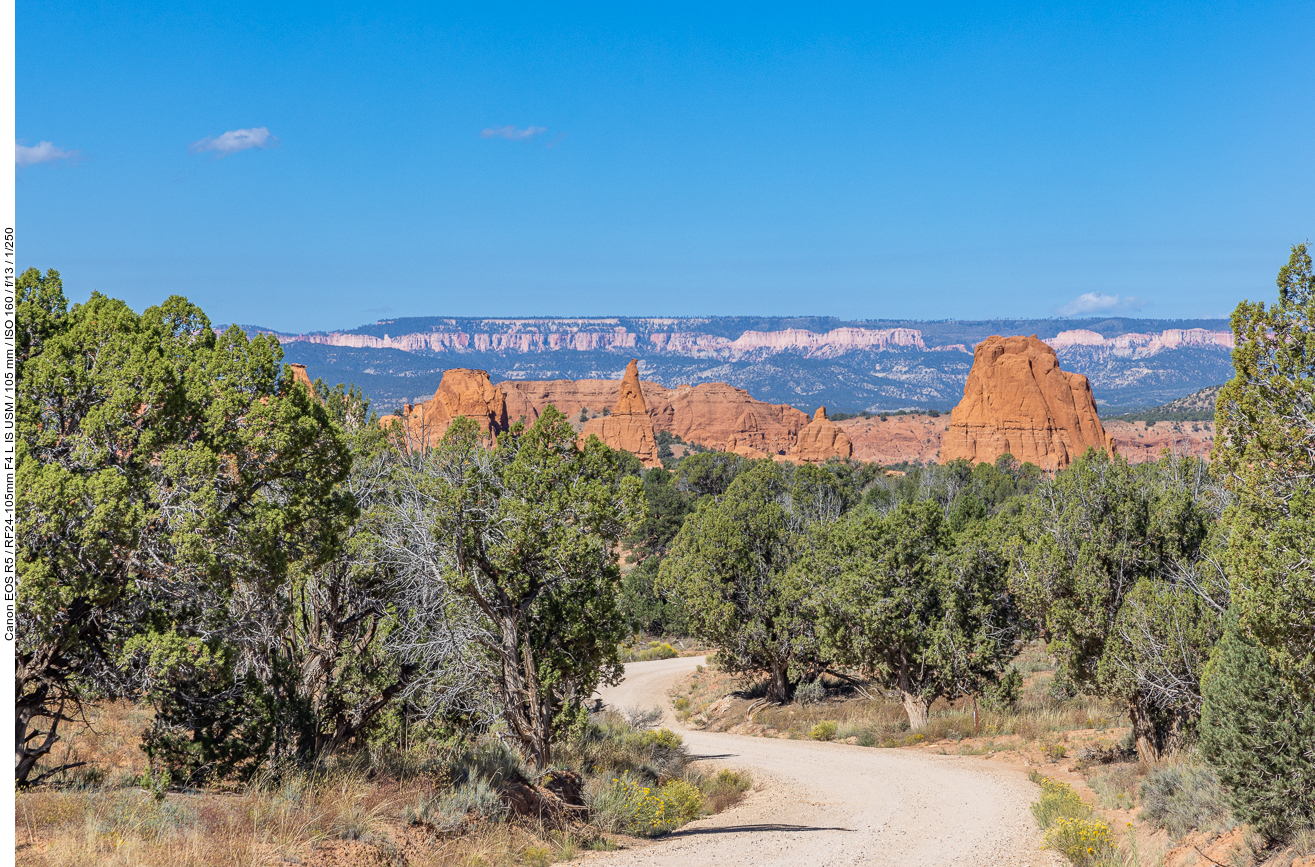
1018,401
628,427
461,392
821,440
299,374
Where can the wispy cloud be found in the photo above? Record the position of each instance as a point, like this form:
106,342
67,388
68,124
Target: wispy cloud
235,140
512,134
1099,302
41,152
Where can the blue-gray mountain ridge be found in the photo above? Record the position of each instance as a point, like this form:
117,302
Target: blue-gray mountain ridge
802,361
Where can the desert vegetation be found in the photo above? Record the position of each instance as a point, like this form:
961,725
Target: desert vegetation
256,625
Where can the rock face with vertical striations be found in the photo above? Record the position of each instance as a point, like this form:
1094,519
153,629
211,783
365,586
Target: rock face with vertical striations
461,392
628,427
1018,401
821,440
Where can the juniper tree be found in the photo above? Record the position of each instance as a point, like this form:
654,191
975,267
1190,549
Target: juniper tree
167,477
506,558
1265,448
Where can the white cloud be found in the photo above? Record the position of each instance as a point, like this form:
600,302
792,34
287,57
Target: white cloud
235,140
41,152
512,134
1099,302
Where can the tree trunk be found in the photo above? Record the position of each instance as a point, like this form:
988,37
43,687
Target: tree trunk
917,707
1155,733
779,690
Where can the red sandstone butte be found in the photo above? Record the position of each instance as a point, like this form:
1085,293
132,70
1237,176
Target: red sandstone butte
821,440
1018,401
628,427
460,392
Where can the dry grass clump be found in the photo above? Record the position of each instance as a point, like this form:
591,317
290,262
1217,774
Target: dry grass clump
1184,797
723,790
108,739
1116,787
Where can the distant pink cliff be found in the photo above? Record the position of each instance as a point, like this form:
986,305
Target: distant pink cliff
1135,345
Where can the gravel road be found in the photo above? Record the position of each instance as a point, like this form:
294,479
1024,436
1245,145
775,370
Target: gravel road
831,804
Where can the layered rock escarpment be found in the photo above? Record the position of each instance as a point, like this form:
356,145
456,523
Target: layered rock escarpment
1018,401
628,427
898,439
821,440
461,392
1138,442
713,414
526,400
726,418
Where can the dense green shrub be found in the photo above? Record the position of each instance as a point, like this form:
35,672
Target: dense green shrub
648,652
1259,738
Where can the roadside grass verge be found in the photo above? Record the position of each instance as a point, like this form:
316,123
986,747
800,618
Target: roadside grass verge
1070,826
435,805
1041,717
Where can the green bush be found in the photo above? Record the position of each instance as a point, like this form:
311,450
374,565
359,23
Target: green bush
651,651
1069,823
1258,737
1002,696
823,731
812,692
1182,798
1082,841
627,805
1057,801
610,747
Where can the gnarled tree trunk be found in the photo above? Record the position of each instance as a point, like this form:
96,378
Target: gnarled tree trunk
917,707
1155,732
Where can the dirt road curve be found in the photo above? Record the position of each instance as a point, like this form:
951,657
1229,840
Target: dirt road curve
835,805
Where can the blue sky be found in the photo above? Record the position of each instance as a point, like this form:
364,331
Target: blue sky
323,165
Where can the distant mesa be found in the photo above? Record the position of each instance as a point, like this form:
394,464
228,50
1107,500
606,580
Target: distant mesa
1017,401
802,361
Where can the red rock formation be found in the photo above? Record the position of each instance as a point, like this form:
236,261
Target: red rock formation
1017,400
821,440
713,414
898,439
628,427
461,392
299,374
726,418
1138,443
527,400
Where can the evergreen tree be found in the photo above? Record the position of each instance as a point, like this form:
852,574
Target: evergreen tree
1259,737
1265,448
